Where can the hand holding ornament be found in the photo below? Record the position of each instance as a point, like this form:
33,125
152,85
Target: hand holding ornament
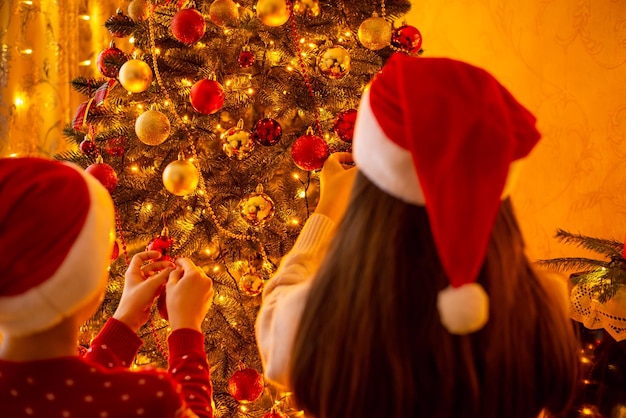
141,287
189,294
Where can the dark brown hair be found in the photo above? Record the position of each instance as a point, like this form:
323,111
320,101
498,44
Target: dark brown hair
370,342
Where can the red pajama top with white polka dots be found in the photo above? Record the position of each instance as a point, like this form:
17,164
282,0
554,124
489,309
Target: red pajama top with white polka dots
100,385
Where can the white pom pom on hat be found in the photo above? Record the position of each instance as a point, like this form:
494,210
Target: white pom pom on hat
446,135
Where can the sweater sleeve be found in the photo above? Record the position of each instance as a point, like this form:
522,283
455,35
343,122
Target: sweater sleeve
115,345
188,365
285,296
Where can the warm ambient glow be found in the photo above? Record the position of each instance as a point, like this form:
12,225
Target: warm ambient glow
26,51
85,63
84,17
19,101
131,40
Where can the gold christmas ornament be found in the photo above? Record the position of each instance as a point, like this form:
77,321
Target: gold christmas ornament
375,33
251,283
138,10
181,177
308,8
257,208
237,142
135,76
272,12
334,62
223,12
152,127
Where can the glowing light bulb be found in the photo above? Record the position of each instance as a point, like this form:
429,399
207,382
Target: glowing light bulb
84,17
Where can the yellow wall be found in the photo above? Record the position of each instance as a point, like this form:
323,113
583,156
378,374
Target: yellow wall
44,44
566,61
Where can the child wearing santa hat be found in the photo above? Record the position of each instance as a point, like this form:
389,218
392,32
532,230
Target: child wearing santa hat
419,301
56,238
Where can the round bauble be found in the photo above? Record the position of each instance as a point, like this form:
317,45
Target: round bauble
152,127
334,62
223,12
138,10
237,142
251,284
308,8
110,60
88,147
188,26
344,124
115,146
272,12
407,38
375,33
309,152
181,177
246,385
257,208
104,173
135,76
163,244
246,58
207,96
267,132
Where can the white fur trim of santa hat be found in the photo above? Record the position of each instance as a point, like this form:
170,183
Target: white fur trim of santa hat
446,135
80,277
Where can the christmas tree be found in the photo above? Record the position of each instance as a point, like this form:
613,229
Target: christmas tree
597,303
208,134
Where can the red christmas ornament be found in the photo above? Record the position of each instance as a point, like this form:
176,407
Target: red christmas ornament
115,146
88,147
119,25
116,251
207,96
309,152
104,173
267,132
110,60
246,385
275,414
407,38
188,26
163,244
246,58
344,125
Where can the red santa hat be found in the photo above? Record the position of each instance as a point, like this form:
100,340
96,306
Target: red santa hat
56,236
444,134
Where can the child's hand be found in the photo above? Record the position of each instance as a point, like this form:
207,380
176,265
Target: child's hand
141,287
189,294
335,185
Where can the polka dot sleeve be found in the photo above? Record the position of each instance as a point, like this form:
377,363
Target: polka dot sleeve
189,367
115,346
